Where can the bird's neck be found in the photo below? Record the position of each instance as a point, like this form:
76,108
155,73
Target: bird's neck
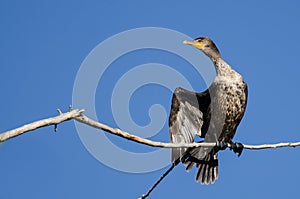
223,69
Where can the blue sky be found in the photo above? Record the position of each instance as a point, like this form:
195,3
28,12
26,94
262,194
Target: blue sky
43,45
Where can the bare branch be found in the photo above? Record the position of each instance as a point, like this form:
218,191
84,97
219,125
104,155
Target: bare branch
123,134
84,119
157,182
77,115
269,146
41,123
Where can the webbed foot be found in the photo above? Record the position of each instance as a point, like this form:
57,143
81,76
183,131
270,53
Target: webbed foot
237,148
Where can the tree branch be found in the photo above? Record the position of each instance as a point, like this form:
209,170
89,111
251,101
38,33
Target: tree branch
84,119
41,123
158,181
77,115
269,146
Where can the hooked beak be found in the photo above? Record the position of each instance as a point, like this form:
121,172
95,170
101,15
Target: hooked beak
189,42
196,44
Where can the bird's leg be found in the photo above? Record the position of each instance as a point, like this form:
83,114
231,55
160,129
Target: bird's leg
221,145
236,147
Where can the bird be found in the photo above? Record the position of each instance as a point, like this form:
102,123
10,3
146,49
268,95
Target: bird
213,115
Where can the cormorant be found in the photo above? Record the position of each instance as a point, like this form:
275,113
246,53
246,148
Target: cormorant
213,115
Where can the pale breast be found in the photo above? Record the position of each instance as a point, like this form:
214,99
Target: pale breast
229,99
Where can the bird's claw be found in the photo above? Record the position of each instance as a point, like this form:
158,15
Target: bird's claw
237,148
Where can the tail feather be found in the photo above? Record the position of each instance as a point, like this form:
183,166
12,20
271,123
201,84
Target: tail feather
189,165
200,172
207,168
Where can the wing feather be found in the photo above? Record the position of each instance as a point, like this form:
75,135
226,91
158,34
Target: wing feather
188,118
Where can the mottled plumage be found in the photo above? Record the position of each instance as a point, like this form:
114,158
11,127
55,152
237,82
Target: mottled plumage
213,115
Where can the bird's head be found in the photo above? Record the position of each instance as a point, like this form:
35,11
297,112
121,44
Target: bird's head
206,45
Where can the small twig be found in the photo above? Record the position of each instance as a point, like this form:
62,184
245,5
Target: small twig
157,182
70,108
55,127
59,111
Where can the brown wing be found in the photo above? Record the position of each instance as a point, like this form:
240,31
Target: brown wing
188,117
